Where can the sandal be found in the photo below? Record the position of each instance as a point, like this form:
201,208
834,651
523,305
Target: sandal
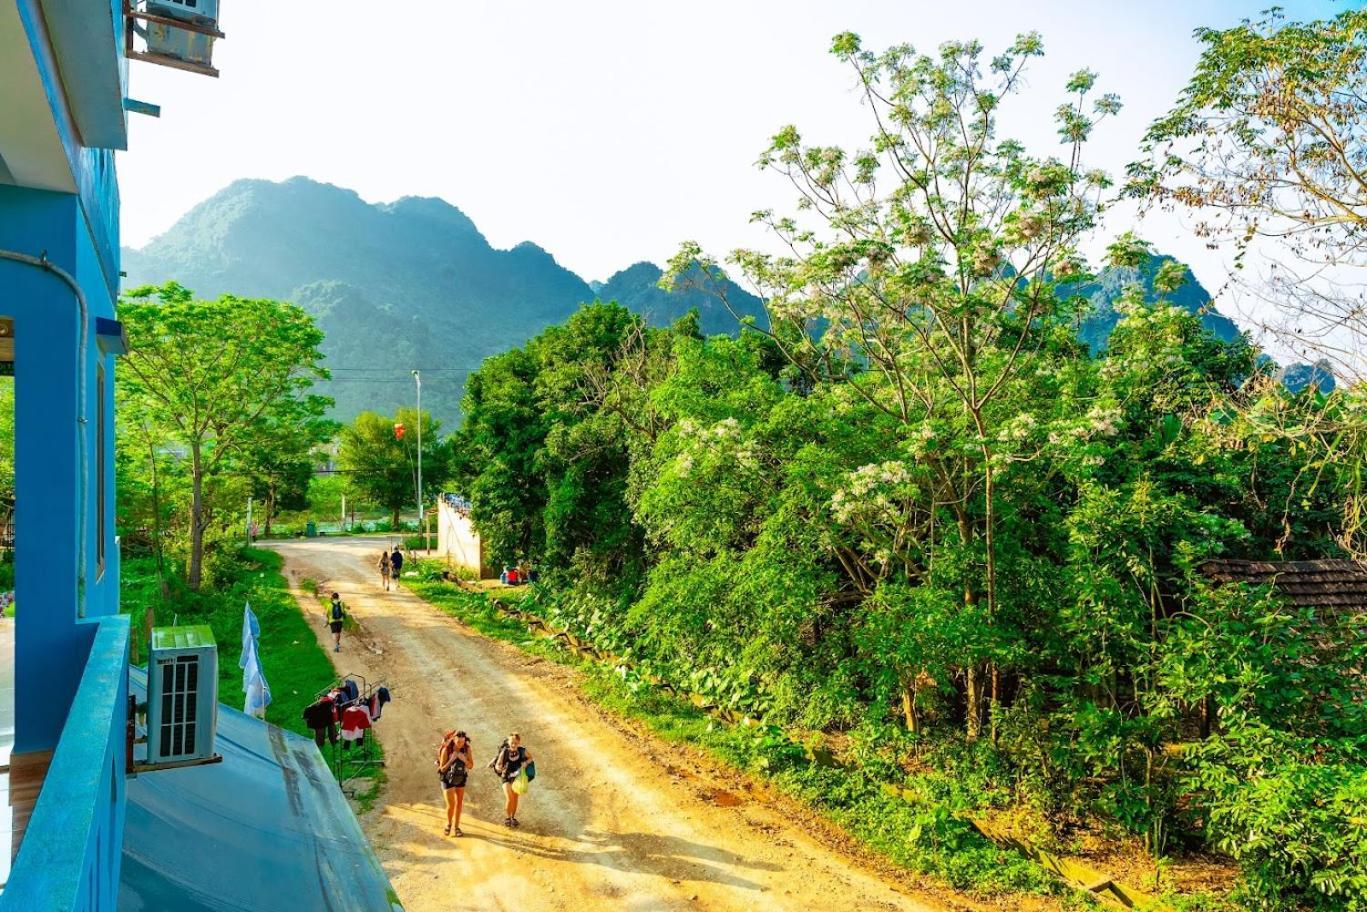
458,832
447,831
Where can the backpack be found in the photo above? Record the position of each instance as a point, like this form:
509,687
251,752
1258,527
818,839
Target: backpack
337,612
499,763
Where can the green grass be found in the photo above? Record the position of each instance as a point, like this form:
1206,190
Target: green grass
925,837
295,665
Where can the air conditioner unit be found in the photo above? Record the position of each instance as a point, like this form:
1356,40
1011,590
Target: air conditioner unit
183,44
182,695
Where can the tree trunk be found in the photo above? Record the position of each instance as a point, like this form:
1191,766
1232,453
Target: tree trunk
909,707
394,520
158,537
974,722
196,570
270,509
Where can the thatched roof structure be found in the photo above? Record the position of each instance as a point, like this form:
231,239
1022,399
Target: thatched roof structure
1338,586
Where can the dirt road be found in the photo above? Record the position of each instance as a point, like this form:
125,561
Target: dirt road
615,819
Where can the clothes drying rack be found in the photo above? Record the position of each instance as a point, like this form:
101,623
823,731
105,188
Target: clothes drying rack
349,759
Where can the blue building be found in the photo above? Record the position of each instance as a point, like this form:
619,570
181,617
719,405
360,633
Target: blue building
75,816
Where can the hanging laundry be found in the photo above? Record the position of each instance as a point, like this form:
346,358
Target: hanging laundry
352,691
321,718
355,720
377,701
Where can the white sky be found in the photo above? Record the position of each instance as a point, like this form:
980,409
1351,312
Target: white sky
608,132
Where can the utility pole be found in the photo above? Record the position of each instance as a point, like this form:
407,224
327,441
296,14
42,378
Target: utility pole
249,521
418,378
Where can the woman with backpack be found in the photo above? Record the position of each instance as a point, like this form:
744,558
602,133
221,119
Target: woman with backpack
454,761
335,617
384,569
511,761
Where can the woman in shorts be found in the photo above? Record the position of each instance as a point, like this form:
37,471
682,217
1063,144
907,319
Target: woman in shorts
454,762
512,757
384,570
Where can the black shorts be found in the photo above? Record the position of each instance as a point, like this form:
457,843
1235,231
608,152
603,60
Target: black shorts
454,778
336,626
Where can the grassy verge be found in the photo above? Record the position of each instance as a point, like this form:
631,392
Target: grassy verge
925,837
295,665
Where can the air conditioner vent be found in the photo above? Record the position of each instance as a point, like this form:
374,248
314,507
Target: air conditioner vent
182,698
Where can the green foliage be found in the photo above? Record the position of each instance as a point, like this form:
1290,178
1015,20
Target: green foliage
920,512
384,468
219,394
294,664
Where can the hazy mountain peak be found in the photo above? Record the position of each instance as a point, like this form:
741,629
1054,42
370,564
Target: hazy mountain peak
434,210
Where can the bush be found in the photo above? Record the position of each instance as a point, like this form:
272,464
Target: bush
1296,822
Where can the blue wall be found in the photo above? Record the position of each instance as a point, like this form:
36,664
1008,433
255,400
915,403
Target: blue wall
50,643
73,847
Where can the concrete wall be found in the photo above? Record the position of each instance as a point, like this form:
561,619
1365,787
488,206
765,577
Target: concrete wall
458,542
50,589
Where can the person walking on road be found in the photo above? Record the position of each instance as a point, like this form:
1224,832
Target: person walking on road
508,764
384,570
335,617
455,759
396,563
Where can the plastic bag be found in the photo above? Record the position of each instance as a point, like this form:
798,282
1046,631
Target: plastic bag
521,783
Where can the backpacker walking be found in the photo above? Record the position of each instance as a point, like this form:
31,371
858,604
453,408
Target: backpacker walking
385,569
336,616
514,767
454,762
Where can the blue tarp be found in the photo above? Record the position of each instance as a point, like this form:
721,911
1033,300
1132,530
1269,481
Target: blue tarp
267,829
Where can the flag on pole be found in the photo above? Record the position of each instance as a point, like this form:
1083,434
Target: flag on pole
254,686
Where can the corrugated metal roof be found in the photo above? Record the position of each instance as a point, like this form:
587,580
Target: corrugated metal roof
266,830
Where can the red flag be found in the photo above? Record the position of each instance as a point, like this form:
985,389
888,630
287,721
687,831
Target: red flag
398,430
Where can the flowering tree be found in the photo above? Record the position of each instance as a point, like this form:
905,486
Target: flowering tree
927,271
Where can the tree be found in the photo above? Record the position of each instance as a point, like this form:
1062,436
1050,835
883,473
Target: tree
384,467
219,380
934,260
1266,145
280,465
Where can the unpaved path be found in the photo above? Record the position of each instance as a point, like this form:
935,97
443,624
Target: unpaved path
615,819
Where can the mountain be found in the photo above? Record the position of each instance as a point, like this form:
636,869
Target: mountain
1105,291
413,283
1110,284
394,286
637,288
1297,377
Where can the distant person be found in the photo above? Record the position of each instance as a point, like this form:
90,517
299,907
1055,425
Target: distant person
336,616
384,569
455,759
509,761
396,563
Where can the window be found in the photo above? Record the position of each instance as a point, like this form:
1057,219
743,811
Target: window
101,470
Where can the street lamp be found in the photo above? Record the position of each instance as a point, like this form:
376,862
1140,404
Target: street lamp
422,524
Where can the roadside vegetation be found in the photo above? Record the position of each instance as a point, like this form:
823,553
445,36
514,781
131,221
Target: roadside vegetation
295,665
